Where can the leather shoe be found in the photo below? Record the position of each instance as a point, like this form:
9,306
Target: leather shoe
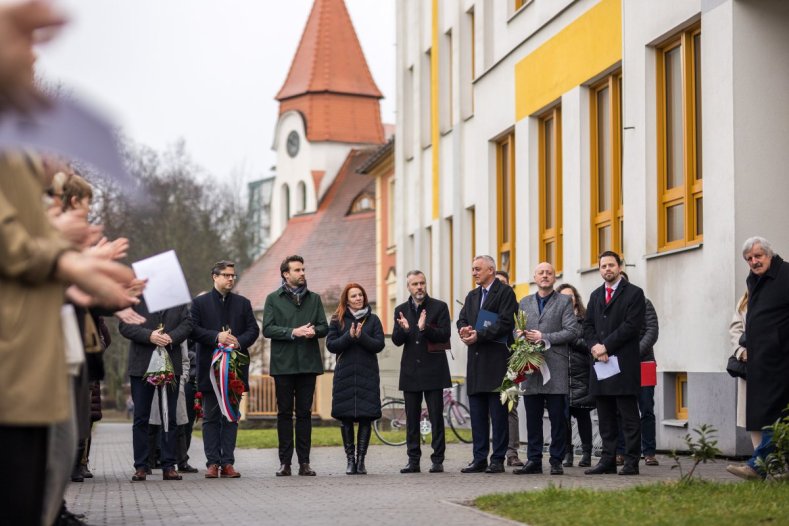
629,470
170,474
139,475
650,460
186,468
557,469
530,468
411,468
437,468
514,461
229,472
620,460
212,472
601,469
475,466
86,472
305,470
495,467
284,471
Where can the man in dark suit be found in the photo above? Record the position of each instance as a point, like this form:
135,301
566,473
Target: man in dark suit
167,329
488,353
220,316
614,318
420,322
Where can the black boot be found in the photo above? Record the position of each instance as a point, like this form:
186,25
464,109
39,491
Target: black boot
568,457
365,428
586,456
346,428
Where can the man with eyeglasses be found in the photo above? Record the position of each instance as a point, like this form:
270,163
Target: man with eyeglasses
227,318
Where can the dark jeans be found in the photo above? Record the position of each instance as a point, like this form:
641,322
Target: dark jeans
185,430
535,408
488,412
765,447
219,434
646,406
434,400
301,388
583,417
627,407
22,498
142,394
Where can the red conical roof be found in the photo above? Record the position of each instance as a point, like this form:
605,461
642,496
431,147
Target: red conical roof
329,57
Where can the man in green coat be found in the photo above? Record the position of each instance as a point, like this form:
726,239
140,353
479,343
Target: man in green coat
294,319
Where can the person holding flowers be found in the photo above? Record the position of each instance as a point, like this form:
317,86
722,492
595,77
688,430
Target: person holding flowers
550,323
165,330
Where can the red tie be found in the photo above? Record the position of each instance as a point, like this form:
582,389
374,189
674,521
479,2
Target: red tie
608,293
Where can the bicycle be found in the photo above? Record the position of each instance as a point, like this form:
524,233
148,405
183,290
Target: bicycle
391,427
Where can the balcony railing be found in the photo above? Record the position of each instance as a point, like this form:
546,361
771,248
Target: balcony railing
262,397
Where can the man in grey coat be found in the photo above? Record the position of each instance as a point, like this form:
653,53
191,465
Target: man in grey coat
550,321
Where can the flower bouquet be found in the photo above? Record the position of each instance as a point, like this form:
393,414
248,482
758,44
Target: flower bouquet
160,368
198,407
227,379
525,358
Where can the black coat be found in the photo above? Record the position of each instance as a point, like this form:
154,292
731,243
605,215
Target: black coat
356,392
421,370
487,358
580,368
648,335
209,314
617,325
176,324
767,341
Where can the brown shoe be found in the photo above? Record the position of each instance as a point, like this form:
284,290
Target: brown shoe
283,471
229,473
620,460
212,472
139,475
170,474
650,460
514,461
305,470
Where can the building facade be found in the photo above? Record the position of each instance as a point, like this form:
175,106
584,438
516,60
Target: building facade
553,130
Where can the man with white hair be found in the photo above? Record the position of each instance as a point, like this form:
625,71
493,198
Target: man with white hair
766,339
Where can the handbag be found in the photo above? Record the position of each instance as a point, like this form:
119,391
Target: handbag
735,367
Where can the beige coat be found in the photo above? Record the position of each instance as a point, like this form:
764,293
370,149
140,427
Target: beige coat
736,328
33,378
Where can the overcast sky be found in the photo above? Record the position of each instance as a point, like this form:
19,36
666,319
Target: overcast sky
204,70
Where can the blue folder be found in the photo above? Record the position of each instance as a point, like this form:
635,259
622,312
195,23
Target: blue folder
486,318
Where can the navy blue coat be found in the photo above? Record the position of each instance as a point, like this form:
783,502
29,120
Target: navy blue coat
209,314
356,392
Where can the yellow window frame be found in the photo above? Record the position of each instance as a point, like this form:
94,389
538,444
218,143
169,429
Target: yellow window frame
553,234
681,403
505,189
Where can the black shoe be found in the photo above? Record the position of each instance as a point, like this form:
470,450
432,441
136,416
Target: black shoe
495,467
411,467
283,471
76,474
186,468
586,457
475,466
305,470
629,470
530,468
557,469
601,469
437,468
349,445
568,460
66,518
86,474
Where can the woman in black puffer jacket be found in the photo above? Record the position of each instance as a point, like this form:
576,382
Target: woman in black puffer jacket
356,337
579,401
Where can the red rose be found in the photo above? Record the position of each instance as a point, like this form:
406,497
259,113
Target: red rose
237,386
198,395
521,377
231,375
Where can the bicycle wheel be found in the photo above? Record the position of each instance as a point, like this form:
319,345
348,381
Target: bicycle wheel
459,420
390,428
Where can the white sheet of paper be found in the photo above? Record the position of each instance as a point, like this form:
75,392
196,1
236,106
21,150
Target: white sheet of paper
546,373
166,283
607,369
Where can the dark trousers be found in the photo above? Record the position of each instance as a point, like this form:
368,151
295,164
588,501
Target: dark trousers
646,406
488,412
22,498
535,408
301,388
185,430
434,399
142,394
583,417
627,406
514,429
219,434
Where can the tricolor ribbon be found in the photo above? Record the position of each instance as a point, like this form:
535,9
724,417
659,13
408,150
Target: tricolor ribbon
222,389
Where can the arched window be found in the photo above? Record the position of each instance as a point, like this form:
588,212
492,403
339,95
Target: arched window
301,197
285,203
364,202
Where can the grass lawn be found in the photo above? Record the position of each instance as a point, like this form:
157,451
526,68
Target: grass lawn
321,436
696,504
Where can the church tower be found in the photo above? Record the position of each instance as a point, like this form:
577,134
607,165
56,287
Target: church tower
328,105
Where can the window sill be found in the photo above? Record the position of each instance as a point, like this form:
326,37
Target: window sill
673,251
675,422
391,250
520,10
446,132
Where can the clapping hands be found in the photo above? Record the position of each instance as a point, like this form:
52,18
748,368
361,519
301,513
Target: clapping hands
356,330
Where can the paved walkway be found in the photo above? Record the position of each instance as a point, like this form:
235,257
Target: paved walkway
383,497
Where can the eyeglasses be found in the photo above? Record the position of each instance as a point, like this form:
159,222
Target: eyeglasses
228,276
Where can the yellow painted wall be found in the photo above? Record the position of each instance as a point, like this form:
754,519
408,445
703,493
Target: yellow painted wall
586,47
